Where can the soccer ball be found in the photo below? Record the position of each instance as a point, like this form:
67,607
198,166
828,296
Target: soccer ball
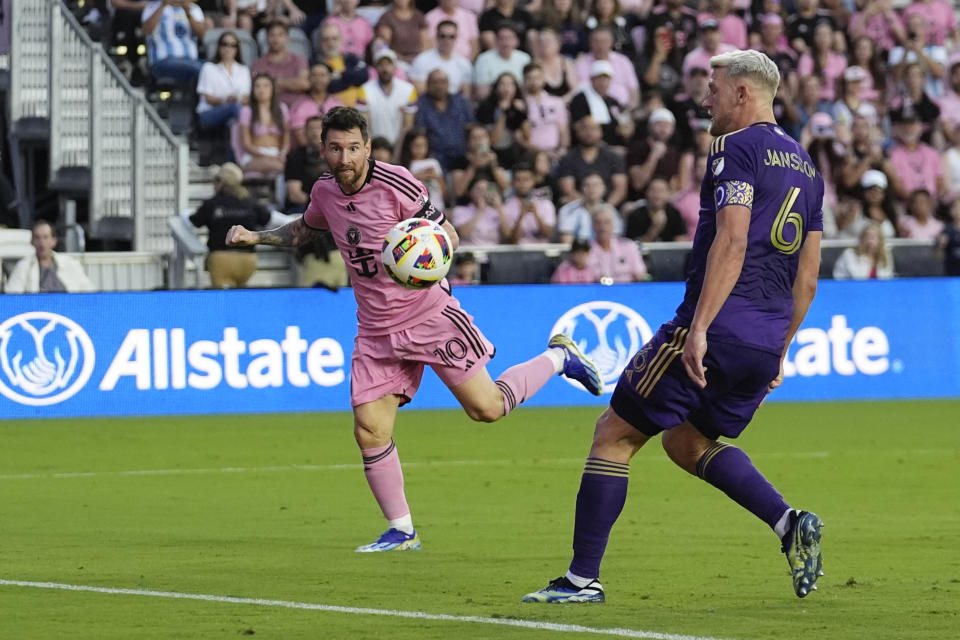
417,253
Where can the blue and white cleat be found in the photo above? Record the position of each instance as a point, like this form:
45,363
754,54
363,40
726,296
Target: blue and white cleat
801,544
577,366
561,591
393,540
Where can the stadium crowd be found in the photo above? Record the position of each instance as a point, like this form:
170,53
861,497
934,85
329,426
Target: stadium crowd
582,121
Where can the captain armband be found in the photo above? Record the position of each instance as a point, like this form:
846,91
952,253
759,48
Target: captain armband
430,212
733,192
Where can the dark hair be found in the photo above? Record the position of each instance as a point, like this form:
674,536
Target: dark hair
580,245
522,166
216,54
40,222
276,113
507,24
321,63
381,143
344,119
313,119
448,23
278,23
532,66
464,257
413,134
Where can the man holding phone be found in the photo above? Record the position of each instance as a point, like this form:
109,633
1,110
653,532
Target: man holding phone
172,29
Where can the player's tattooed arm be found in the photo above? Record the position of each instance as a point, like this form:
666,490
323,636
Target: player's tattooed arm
293,234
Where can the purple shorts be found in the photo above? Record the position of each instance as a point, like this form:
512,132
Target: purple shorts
655,393
393,363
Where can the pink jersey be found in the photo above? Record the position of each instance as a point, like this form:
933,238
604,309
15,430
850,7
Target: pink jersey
359,223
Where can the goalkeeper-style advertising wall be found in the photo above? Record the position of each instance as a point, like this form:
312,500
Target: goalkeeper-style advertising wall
289,350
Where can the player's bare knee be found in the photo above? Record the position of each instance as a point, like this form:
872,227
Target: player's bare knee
684,446
613,439
485,412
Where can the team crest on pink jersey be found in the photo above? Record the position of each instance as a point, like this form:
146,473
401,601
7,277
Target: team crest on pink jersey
353,235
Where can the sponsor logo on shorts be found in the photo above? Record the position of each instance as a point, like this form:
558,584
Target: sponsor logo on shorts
45,358
608,333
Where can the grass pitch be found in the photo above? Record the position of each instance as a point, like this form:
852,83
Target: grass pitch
272,506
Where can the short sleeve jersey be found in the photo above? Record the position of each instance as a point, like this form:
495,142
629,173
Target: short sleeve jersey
359,222
764,169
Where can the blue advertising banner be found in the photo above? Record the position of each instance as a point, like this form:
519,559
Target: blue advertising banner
289,350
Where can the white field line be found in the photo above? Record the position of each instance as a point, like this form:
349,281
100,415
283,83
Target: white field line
417,615
406,465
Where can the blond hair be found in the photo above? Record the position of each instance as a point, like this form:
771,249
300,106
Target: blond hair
753,65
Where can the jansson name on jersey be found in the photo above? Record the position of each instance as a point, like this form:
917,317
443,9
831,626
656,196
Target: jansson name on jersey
777,158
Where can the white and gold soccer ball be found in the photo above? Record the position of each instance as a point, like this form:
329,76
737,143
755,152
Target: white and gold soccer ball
417,253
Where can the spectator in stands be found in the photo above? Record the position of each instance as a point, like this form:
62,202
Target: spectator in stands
575,219
46,270
125,31
560,77
229,267
802,24
609,14
810,102
415,155
172,29
504,113
468,35
733,30
773,43
877,202
931,58
381,150
549,129
316,103
590,155
404,28
304,165
624,85
563,18
672,26
355,30
264,129
594,100
655,219
249,15
482,221
950,106
869,260
576,268
506,11
711,44
687,202
504,58
916,164
654,156
864,153
224,84
866,56
445,116
614,258
349,70
879,23
939,15
459,70
389,103
845,221
951,168
544,184
919,222
851,102
687,106
948,244
826,151
480,161
529,219
466,271
915,102
289,70
822,61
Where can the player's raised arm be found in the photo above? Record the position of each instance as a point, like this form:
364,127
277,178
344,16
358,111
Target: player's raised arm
292,234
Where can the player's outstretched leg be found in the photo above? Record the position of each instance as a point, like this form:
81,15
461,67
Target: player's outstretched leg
577,366
801,544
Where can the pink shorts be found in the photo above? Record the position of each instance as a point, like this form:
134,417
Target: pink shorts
393,363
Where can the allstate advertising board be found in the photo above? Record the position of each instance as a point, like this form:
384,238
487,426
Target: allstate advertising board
289,350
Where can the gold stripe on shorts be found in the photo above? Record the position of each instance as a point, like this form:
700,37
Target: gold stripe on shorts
667,354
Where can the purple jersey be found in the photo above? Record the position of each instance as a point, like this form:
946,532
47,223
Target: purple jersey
764,169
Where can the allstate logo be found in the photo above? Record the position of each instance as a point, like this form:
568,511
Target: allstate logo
45,358
608,333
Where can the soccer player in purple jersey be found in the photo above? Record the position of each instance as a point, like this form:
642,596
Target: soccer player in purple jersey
399,331
751,278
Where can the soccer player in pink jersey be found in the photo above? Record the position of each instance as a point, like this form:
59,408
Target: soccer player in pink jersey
402,330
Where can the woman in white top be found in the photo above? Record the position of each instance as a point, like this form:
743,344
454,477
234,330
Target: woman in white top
869,260
224,84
